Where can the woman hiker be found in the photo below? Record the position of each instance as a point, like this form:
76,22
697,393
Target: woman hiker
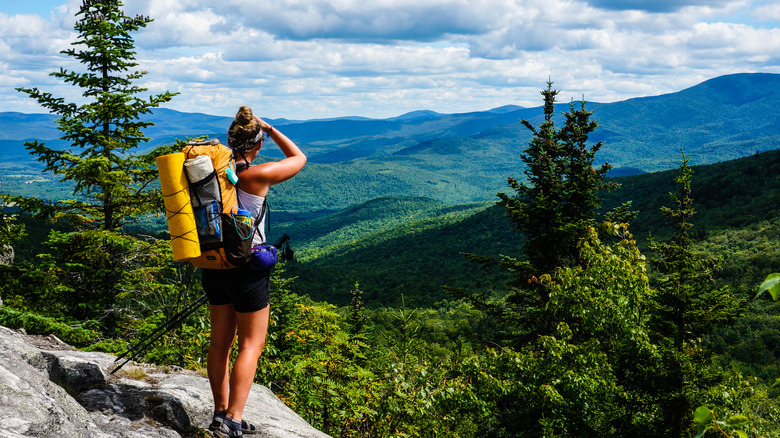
239,298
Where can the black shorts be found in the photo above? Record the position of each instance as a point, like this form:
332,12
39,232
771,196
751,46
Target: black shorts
248,290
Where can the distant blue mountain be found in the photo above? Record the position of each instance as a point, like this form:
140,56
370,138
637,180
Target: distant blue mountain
467,156
505,109
18,126
721,119
416,115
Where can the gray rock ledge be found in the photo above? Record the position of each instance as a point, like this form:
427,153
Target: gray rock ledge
48,389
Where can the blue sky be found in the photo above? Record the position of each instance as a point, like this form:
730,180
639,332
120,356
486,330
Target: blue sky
304,59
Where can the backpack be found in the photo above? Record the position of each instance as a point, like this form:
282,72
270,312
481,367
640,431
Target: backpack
225,240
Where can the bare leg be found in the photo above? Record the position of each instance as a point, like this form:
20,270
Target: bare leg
223,332
252,329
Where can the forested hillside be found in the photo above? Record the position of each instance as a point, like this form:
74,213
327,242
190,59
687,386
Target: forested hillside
412,260
366,242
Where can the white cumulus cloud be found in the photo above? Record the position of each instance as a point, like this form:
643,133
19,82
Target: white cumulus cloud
319,58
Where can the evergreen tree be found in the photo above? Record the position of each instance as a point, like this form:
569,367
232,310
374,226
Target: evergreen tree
97,272
559,201
111,184
685,309
553,209
357,315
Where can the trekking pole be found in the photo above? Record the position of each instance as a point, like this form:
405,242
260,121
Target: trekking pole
173,321
159,332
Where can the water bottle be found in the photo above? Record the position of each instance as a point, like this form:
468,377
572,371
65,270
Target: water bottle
242,215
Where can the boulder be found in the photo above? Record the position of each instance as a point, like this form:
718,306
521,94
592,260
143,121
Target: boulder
48,389
6,254
30,403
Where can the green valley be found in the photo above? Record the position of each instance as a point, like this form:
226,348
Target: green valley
415,257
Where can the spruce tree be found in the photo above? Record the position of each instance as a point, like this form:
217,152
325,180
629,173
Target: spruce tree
559,200
356,320
105,129
553,209
98,272
685,309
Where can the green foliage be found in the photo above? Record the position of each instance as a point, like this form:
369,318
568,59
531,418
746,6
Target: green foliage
174,289
325,383
357,317
10,230
588,377
104,131
771,285
88,275
80,335
740,395
452,326
705,420
743,405
752,343
352,384
749,254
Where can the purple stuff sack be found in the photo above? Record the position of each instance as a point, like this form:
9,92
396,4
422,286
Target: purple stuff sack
263,258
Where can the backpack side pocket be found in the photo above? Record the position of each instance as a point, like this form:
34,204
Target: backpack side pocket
236,239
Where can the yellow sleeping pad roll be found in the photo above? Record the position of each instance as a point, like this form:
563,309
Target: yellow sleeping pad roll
178,207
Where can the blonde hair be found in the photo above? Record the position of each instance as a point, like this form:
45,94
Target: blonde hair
243,129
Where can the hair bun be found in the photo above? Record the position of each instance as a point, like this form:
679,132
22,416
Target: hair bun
244,116
243,130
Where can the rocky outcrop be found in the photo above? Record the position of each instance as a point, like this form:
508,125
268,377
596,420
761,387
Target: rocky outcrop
6,254
48,389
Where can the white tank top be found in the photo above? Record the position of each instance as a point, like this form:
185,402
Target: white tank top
254,204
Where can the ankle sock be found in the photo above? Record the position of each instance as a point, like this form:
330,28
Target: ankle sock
220,414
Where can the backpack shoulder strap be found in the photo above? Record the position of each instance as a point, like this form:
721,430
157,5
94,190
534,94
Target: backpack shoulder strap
265,209
241,166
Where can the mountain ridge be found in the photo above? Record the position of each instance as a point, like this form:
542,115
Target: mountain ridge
465,157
